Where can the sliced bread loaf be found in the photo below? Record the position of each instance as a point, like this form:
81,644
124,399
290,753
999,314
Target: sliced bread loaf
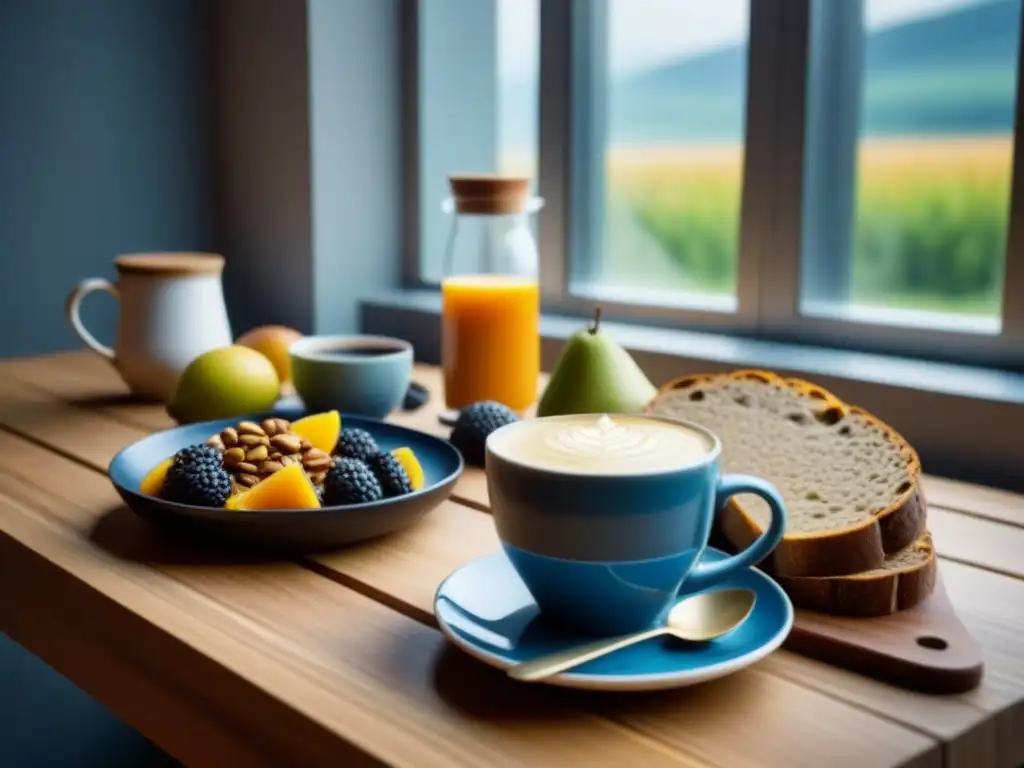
904,580
851,484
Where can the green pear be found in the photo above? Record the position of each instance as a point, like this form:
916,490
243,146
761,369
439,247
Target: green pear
595,375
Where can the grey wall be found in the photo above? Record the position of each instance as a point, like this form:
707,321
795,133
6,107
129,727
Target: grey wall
104,148
356,155
263,161
187,124
309,154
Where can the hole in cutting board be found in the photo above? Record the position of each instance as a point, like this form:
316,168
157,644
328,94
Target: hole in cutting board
935,643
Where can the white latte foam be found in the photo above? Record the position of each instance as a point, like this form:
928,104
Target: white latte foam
602,444
605,439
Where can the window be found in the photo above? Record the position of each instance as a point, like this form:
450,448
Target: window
840,173
476,78
674,76
908,161
518,34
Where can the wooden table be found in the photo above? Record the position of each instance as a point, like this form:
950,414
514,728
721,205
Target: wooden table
336,660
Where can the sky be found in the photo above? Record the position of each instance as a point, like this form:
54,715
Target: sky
645,33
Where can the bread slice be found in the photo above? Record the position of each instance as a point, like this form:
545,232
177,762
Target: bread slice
904,580
851,484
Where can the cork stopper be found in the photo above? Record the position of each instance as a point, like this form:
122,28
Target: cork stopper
170,264
489,193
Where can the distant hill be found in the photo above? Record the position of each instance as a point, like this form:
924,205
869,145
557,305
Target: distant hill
982,36
954,73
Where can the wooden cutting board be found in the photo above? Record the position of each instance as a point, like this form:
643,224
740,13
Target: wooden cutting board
925,648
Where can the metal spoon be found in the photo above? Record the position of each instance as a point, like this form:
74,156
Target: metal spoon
698,618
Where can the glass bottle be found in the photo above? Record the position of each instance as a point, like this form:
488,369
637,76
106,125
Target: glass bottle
491,293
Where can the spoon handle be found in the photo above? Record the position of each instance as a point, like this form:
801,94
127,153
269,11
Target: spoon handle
559,661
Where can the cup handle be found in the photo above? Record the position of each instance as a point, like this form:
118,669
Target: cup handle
705,575
74,304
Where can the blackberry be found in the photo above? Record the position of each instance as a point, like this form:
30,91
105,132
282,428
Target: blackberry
474,424
198,477
350,481
355,443
390,474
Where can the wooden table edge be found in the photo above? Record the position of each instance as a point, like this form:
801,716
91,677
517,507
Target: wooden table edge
151,700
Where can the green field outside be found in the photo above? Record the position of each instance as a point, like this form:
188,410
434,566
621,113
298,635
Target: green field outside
932,196
930,227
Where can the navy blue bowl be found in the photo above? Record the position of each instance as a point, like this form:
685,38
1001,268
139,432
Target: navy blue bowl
287,530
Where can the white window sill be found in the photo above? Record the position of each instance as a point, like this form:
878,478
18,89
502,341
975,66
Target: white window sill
966,422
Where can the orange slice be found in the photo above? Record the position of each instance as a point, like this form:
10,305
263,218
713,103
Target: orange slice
411,465
153,482
288,488
320,429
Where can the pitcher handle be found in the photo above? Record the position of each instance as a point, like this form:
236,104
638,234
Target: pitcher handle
73,305
709,574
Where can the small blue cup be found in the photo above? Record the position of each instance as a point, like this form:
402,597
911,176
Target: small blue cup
606,554
364,375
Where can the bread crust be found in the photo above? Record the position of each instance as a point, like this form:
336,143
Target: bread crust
878,593
839,552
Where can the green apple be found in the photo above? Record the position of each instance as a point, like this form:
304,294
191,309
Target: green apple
594,374
223,383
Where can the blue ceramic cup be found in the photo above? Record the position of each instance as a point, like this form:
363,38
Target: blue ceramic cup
606,549
364,375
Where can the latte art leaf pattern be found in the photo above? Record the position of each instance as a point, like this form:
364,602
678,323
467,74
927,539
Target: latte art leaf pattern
605,439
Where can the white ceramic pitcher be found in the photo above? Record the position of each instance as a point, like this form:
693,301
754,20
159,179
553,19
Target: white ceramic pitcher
171,311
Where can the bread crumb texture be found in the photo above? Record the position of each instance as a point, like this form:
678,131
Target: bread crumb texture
834,465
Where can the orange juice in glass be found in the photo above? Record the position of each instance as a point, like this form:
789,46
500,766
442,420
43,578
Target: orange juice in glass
490,319
491,340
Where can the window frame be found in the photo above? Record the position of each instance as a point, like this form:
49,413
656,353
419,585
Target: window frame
779,62
570,168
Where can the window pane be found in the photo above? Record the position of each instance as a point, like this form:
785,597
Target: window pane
478,95
518,91
909,151
672,153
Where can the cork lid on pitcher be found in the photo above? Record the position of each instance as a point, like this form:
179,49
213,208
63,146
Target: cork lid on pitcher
175,263
489,193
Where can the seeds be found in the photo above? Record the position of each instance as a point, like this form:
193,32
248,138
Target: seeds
286,443
314,460
257,453
233,457
270,467
252,452
275,426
